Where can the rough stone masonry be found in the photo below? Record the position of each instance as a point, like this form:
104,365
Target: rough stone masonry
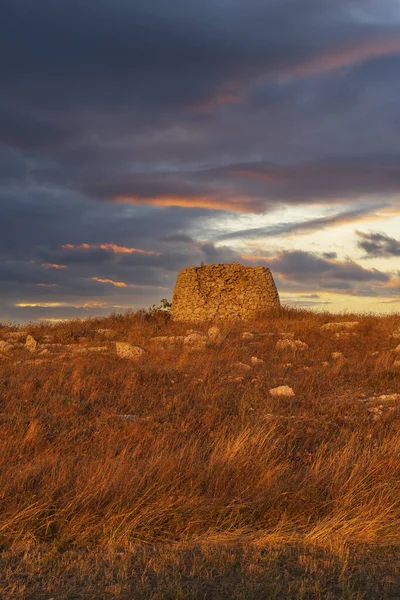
223,291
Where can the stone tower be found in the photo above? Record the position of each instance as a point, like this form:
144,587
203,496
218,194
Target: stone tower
223,291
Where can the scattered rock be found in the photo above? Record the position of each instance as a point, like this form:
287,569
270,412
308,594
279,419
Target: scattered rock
126,350
256,361
287,344
45,351
396,364
339,325
5,346
384,399
397,349
31,344
135,418
282,390
337,355
195,341
247,336
215,336
325,363
345,335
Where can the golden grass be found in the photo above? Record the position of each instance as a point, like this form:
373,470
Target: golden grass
215,479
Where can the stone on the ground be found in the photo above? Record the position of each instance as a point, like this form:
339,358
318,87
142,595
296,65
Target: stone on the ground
397,349
339,326
31,344
287,344
215,336
282,390
256,361
396,364
247,335
126,350
5,346
195,341
337,355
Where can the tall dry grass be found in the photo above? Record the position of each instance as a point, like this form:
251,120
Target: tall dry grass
208,456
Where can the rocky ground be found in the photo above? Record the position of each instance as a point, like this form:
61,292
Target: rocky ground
142,458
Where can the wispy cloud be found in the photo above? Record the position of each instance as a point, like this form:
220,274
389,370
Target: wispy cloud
112,247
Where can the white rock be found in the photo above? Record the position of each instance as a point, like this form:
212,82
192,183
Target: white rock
31,344
195,341
247,336
339,325
215,336
282,390
126,350
256,361
287,344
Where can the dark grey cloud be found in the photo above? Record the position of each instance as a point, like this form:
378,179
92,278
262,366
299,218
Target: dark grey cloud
133,123
378,244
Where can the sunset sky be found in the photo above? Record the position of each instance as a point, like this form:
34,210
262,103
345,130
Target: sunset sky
138,137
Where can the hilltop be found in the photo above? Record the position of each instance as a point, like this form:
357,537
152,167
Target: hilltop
178,474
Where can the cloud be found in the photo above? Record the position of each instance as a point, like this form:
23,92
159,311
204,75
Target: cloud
108,246
378,244
131,132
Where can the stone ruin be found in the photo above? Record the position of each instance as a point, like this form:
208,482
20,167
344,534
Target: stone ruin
223,291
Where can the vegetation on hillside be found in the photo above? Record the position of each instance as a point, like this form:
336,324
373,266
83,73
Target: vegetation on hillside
180,476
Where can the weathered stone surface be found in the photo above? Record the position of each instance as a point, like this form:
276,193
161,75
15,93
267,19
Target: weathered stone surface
287,344
339,326
31,344
282,390
256,361
215,336
247,335
5,346
223,291
195,341
126,350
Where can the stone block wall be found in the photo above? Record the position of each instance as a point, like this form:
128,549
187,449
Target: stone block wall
223,291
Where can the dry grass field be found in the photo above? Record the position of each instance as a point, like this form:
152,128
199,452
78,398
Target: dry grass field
179,476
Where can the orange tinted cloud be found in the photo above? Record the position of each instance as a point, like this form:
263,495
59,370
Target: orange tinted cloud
236,204
53,266
344,57
119,284
218,100
112,247
122,284
48,285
